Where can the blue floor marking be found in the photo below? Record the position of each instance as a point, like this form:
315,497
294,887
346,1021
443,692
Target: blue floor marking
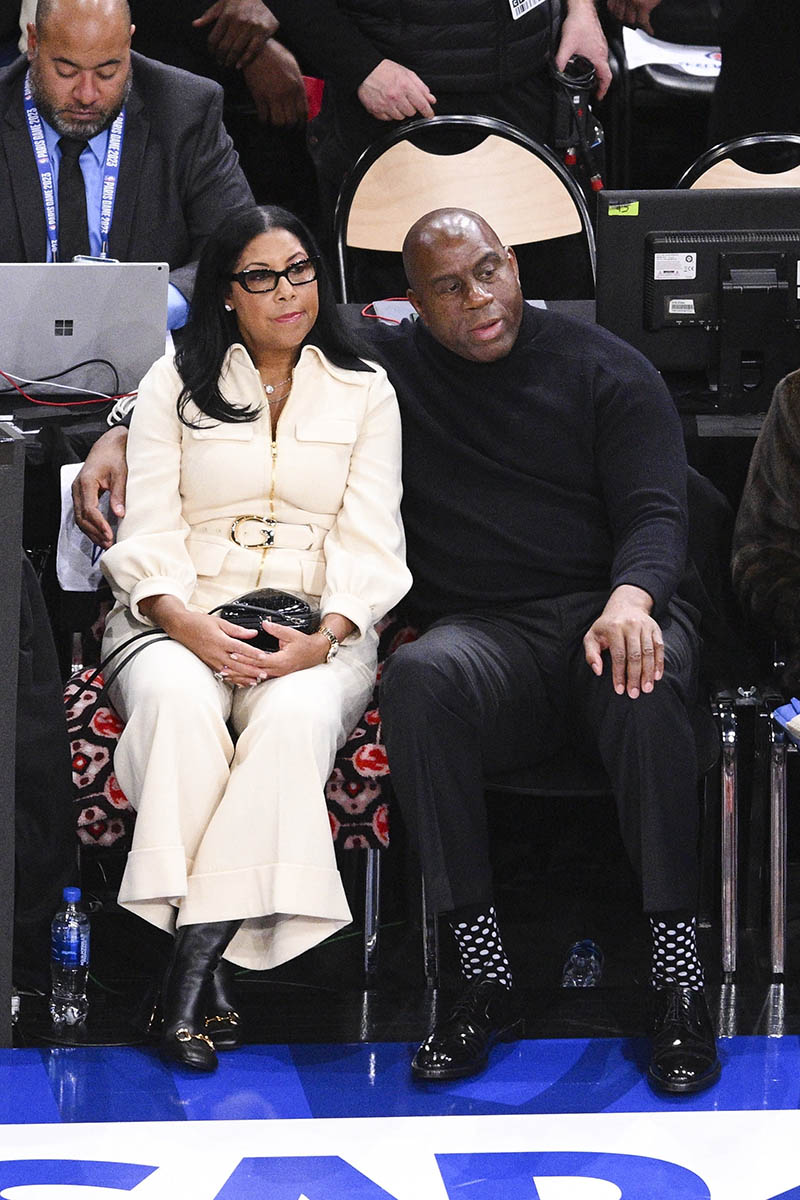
101,1084
255,1083
25,1095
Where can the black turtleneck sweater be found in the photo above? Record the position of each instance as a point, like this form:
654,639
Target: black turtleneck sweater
557,469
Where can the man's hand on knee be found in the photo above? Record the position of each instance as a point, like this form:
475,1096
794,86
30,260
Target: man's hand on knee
633,641
105,470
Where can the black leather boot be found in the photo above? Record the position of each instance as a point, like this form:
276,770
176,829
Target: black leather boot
197,951
223,1023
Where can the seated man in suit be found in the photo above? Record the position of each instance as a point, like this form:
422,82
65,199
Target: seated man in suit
107,153
544,501
266,106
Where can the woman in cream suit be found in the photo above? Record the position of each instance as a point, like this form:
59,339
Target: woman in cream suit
265,454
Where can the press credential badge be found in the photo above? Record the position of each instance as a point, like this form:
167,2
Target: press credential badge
520,7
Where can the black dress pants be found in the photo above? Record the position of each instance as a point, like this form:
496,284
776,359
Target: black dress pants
481,693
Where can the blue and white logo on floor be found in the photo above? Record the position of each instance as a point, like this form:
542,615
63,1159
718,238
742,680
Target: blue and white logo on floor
614,1156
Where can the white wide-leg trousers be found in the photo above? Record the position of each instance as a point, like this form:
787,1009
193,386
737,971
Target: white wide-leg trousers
228,784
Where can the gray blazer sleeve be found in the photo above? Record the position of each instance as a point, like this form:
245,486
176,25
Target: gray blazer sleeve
214,186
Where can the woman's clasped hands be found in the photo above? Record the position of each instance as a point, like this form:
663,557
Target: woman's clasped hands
225,648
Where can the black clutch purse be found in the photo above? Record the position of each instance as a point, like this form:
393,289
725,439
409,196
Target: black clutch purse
269,604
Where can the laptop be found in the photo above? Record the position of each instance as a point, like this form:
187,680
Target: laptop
55,316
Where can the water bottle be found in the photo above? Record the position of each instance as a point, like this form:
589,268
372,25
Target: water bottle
583,965
69,961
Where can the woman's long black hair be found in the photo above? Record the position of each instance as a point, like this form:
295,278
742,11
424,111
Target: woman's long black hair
210,330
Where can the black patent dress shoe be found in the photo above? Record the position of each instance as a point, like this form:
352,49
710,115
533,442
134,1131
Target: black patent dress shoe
684,1055
486,1013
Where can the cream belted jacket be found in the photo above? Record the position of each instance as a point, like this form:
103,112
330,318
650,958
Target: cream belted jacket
330,478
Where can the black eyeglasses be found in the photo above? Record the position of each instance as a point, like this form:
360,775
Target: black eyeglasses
262,279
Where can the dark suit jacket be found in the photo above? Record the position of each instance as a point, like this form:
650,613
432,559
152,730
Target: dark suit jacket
179,174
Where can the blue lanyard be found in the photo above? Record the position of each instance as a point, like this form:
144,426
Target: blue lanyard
110,173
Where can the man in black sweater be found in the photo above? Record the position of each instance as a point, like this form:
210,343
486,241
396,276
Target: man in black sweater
544,502
545,512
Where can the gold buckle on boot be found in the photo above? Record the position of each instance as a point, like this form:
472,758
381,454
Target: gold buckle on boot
231,1017
185,1035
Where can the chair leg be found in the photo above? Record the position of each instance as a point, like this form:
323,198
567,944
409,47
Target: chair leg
430,942
777,856
758,833
372,902
729,839
706,906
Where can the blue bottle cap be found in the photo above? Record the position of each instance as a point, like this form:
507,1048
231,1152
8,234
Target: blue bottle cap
72,895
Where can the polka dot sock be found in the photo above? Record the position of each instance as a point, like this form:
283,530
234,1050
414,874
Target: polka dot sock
480,948
675,958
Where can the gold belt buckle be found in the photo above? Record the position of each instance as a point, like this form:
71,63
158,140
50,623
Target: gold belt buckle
265,528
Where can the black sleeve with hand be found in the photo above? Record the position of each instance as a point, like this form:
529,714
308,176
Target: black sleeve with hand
327,40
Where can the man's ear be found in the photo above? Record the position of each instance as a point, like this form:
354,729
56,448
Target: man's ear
32,41
415,304
512,258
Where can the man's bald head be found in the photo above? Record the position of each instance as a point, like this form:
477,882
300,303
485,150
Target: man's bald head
464,283
105,9
80,56
436,228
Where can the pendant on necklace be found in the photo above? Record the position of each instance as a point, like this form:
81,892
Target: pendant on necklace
269,389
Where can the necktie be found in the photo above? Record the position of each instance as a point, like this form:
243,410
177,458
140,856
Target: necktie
73,230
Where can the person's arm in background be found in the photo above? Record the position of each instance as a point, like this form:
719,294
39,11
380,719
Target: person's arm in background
581,33
275,84
241,35
635,13
238,30
339,52
177,307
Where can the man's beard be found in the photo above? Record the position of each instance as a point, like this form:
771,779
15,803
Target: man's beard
61,121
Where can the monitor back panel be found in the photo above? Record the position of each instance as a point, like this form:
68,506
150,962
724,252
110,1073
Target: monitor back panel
110,317
637,301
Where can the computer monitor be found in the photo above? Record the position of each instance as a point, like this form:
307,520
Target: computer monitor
705,283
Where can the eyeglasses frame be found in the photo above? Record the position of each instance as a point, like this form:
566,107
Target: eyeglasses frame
240,276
